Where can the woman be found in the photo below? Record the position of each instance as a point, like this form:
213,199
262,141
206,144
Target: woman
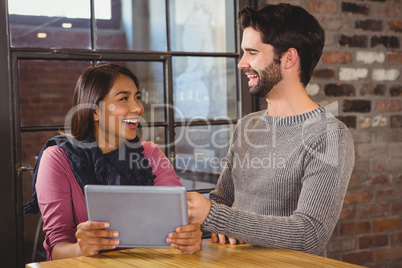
103,148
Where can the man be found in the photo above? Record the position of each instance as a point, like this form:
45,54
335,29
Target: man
288,167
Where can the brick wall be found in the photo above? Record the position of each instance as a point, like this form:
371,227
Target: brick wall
361,71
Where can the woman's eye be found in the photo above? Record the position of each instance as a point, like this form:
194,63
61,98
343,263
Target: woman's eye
138,97
124,98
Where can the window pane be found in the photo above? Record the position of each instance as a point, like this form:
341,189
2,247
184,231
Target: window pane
50,24
204,87
154,134
201,154
46,90
150,75
202,26
135,25
201,148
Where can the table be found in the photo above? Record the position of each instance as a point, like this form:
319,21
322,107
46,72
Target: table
211,255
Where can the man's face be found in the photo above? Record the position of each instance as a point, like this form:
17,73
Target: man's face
259,63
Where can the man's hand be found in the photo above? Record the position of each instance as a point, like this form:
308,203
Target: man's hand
198,207
222,239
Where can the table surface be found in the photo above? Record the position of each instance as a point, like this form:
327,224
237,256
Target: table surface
211,255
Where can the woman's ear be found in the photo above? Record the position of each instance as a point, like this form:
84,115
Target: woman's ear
291,57
96,114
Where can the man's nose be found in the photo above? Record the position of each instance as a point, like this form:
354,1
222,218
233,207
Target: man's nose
243,64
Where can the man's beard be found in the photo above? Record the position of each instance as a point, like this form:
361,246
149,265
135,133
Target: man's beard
267,79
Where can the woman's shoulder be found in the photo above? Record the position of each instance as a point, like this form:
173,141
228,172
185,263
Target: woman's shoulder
55,154
150,148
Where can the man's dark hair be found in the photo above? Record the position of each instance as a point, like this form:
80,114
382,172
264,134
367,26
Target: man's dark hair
286,26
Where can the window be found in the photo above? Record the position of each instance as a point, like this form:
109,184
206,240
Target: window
184,53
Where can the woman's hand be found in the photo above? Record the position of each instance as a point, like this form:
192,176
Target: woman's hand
91,237
187,238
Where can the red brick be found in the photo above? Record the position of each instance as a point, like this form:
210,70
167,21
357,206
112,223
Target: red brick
361,165
386,224
396,121
347,213
396,208
388,11
386,41
358,197
396,106
324,73
395,25
378,179
353,182
373,89
386,164
359,106
360,9
373,241
371,150
382,106
336,57
373,210
335,24
355,228
369,25
388,195
396,238
341,244
359,258
395,58
321,7
388,254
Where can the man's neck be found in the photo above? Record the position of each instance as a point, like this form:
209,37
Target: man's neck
289,101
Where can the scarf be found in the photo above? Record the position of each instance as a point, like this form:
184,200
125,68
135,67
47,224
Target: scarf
125,165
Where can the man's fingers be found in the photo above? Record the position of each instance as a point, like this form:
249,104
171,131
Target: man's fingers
222,239
232,241
214,238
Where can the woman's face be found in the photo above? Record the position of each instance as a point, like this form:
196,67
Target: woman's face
117,116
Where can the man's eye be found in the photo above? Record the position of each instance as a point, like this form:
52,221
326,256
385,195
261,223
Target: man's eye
138,97
124,98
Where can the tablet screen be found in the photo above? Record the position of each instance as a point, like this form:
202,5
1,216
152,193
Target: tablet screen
143,215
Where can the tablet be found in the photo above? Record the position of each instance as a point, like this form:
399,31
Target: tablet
143,215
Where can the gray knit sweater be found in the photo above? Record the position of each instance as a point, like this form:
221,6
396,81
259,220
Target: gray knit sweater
284,182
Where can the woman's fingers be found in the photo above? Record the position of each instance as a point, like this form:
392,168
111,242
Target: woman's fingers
92,237
187,238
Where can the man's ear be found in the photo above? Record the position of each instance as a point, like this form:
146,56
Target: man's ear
290,57
96,114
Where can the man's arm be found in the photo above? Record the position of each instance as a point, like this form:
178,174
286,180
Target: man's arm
309,228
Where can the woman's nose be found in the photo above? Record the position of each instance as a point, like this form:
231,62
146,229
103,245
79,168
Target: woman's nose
136,107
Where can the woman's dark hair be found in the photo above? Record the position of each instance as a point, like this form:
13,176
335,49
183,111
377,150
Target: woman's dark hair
286,26
92,87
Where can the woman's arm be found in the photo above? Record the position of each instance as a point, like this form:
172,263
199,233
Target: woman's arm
62,205
91,238
161,166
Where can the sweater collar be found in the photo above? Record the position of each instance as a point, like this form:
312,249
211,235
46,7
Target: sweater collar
294,119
